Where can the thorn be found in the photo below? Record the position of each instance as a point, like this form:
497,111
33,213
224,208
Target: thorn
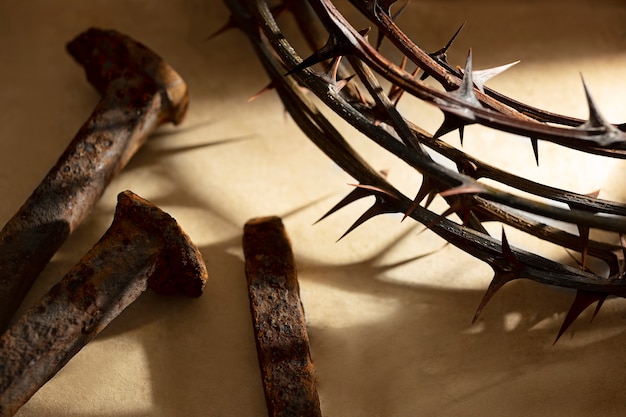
394,90
595,118
582,300
583,232
441,55
334,48
469,168
466,93
428,188
328,51
451,122
230,24
385,5
601,300
333,68
399,92
597,122
472,188
270,86
507,253
466,90
331,75
375,188
360,191
354,195
535,144
482,76
430,198
401,10
361,97
343,82
500,278
380,206
502,275
620,256
593,194
462,206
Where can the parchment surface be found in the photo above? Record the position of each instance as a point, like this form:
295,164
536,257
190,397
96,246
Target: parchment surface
389,309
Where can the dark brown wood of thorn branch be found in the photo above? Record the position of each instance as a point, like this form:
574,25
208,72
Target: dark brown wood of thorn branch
464,99
278,319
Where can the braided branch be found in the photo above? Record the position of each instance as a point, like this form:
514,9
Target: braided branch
347,52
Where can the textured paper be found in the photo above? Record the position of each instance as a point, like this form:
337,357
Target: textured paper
389,327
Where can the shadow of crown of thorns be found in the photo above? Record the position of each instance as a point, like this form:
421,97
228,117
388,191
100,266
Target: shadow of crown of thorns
352,62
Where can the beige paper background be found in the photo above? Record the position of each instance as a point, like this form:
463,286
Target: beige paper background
390,329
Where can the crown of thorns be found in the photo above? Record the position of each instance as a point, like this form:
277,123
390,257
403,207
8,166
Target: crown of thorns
349,85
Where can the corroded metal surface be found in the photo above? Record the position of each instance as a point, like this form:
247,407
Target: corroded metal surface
143,248
139,92
278,319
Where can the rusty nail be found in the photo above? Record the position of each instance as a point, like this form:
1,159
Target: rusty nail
144,247
139,92
281,337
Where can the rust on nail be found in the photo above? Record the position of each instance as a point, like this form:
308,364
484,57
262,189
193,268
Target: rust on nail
278,320
139,92
144,248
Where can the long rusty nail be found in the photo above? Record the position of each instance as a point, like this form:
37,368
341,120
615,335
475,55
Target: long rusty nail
144,247
282,340
139,92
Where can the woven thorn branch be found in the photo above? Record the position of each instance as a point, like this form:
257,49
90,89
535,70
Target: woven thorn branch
350,63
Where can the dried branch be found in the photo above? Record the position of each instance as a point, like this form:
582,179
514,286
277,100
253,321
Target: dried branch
464,100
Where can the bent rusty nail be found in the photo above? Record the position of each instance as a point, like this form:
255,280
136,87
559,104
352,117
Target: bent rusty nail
144,248
139,92
278,319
